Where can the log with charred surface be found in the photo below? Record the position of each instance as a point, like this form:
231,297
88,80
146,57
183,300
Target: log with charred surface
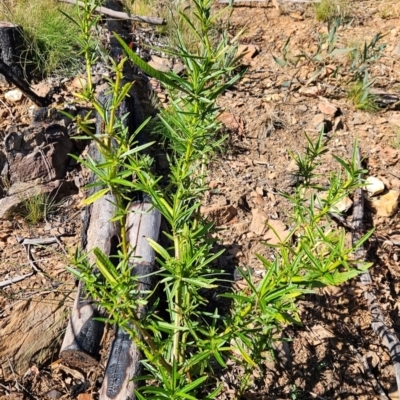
123,365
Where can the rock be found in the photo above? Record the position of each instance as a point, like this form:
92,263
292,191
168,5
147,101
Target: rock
302,108
13,96
311,91
321,124
338,124
219,214
38,153
178,68
374,186
41,89
395,120
328,108
247,52
29,332
258,222
277,234
342,206
159,67
53,394
232,122
359,118
79,82
387,204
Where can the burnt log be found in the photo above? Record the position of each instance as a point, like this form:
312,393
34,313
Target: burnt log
11,42
81,343
123,365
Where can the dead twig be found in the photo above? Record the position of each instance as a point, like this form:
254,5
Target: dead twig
121,15
36,241
8,109
22,85
378,325
15,280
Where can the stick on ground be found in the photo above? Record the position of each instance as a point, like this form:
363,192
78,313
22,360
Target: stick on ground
378,325
121,15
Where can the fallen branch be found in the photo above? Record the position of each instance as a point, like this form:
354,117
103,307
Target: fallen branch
15,280
121,15
22,85
123,365
36,241
378,325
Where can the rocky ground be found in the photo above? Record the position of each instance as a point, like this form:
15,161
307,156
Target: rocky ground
266,115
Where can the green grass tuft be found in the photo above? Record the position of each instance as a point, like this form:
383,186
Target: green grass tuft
37,208
328,10
50,38
362,99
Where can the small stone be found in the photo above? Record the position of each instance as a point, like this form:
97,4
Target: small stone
159,67
13,96
79,82
374,186
219,214
260,190
277,234
338,124
247,51
258,222
328,108
342,206
178,68
54,394
359,118
311,91
41,89
395,120
386,205
162,97
232,122
213,184
321,124
303,108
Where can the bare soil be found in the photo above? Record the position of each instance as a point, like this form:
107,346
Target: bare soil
266,116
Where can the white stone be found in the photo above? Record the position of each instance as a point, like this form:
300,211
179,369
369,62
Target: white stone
374,186
13,96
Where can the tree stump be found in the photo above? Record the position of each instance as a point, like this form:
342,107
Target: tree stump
11,43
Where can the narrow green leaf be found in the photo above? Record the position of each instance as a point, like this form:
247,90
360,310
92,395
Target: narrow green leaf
95,196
